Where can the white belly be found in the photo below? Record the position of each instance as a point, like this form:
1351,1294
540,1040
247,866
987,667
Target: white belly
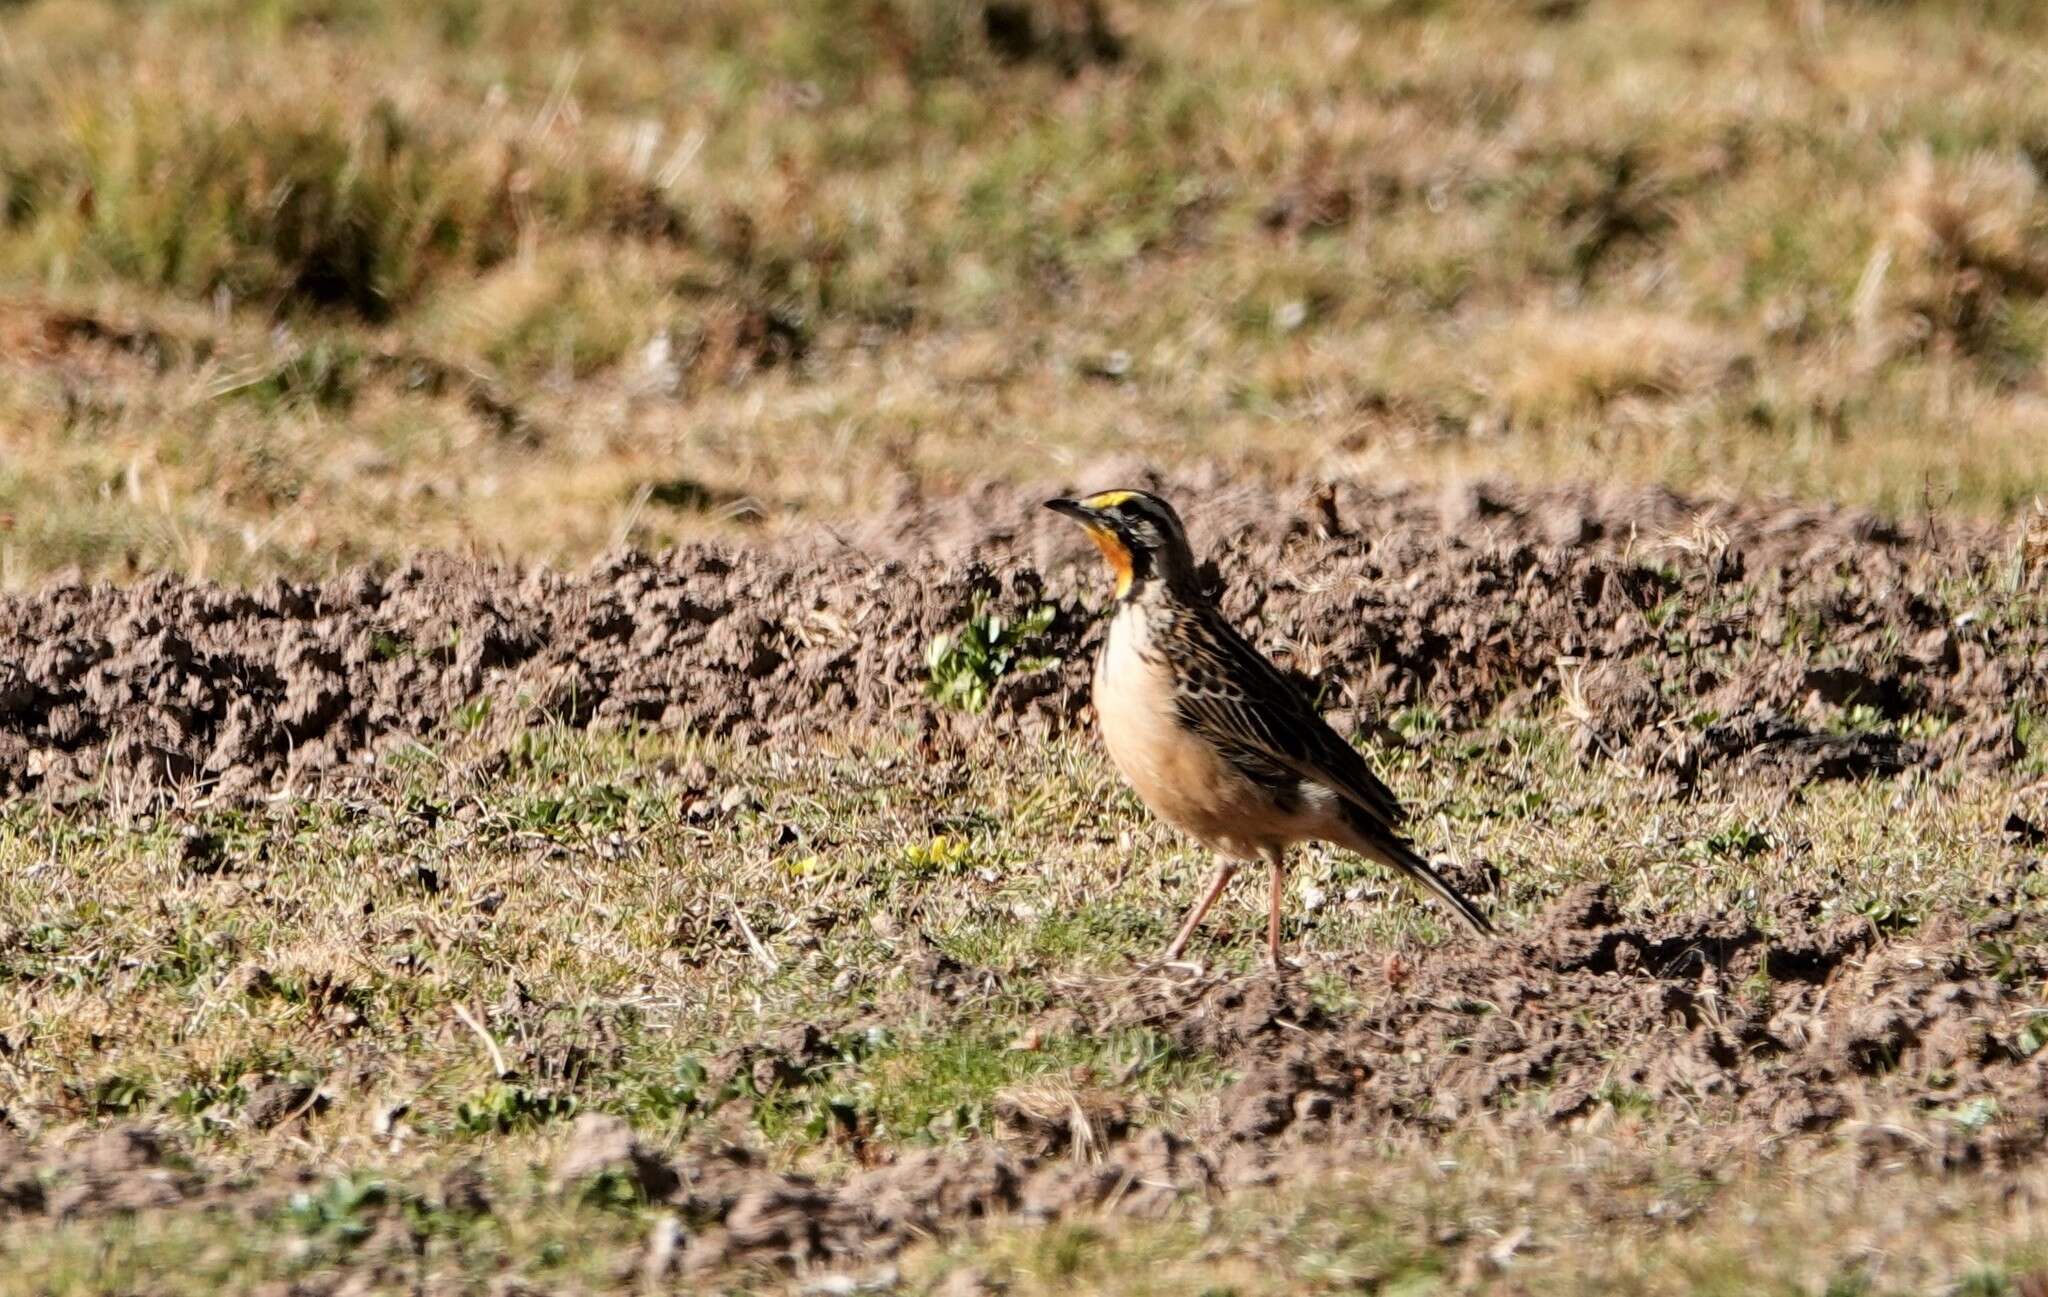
1178,775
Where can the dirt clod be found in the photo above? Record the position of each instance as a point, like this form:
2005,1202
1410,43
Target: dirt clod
273,1102
120,1169
603,1145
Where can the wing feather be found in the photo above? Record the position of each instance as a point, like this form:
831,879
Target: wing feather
1237,699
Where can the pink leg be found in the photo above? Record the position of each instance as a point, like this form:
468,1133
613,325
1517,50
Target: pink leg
1224,873
1279,872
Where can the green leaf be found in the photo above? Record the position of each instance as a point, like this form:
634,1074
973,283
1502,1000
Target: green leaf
964,667
2033,1035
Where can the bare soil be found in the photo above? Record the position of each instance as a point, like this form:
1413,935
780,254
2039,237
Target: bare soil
1683,636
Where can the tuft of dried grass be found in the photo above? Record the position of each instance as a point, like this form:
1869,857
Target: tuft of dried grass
1550,367
1964,239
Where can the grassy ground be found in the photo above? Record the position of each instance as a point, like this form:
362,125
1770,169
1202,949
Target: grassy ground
301,281
440,972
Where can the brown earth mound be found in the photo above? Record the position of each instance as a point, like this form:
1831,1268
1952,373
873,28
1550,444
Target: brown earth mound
1680,635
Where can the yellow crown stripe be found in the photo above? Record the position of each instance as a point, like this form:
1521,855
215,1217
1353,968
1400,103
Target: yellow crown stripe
1107,500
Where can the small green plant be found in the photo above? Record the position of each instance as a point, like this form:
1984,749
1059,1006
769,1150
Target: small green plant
944,854
345,1209
1982,1283
326,375
964,666
1664,612
2032,1036
2030,731
1887,914
118,1095
1862,718
1628,1100
503,1108
472,715
1973,1116
386,647
1737,842
1066,1250
1417,723
684,1090
586,808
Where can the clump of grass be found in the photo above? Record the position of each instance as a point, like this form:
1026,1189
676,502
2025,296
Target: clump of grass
343,1210
1556,367
925,41
313,211
504,1107
1969,247
326,374
587,322
319,207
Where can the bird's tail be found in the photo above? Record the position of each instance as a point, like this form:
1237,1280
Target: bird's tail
1399,856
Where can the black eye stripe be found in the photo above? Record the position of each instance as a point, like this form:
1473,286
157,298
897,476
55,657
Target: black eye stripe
1140,515
1154,512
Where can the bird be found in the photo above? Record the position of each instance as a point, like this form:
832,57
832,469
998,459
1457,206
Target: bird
1212,737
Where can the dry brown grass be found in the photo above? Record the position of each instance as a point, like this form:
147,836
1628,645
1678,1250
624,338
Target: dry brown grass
1545,370
713,273
1969,243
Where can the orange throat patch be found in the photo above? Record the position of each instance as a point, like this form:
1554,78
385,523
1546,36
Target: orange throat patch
1118,556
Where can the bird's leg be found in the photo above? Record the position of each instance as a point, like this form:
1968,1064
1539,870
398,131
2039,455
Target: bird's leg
1220,881
1275,863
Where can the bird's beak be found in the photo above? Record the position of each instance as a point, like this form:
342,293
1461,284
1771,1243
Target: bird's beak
1114,548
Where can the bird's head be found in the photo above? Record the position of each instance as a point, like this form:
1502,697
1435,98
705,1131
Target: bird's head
1138,533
